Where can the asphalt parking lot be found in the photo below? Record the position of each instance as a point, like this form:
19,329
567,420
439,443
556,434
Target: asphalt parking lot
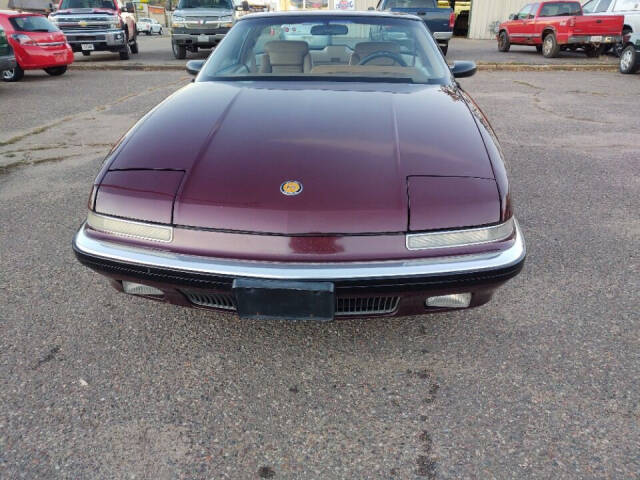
541,383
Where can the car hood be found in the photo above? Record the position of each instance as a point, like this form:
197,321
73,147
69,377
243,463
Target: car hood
352,149
76,11
202,12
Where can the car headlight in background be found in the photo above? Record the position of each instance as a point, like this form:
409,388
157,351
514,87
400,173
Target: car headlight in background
226,21
178,21
129,228
461,238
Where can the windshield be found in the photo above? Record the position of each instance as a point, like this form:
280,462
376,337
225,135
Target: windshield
32,24
336,48
87,4
410,4
225,4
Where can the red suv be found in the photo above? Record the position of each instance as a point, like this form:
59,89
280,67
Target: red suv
37,44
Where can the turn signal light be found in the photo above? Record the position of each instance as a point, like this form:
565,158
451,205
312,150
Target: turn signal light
140,289
456,300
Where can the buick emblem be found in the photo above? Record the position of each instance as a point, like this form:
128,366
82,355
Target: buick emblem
291,187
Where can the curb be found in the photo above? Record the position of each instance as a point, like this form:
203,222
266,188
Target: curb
482,66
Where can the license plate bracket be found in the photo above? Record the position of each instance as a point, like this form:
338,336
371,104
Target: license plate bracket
259,299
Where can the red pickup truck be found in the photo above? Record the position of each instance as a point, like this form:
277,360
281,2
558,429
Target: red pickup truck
555,26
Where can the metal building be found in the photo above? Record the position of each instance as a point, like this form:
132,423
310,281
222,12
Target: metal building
487,14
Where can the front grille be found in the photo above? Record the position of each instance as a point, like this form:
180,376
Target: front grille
80,28
222,301
345,306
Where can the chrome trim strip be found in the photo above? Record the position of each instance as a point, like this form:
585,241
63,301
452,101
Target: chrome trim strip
461,264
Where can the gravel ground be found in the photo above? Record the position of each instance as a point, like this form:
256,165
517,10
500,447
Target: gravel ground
541,383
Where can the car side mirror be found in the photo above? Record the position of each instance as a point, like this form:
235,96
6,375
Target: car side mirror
513,16
245,6
129,8
462,69
194,66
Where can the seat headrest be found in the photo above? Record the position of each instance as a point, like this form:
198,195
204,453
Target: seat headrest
286,52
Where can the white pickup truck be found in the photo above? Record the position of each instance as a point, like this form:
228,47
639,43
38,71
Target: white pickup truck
629,8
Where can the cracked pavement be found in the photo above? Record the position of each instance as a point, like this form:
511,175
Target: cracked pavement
541,383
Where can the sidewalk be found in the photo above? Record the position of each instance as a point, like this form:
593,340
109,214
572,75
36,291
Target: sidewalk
155,54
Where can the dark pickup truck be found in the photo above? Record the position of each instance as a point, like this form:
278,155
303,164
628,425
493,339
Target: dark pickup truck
439,21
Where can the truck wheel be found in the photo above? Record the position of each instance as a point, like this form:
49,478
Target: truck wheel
147,33
56,71
444,48
504,44
629,60
550,47
134,46
179,51
13,75
125,52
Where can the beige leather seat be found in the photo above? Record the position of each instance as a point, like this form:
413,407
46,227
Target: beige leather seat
283,56
364,49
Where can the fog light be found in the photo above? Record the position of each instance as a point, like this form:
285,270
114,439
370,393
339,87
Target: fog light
456,300
139,289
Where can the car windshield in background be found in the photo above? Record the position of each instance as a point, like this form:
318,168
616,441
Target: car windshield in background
86,4
410,4
336,48
560,9
226,4
32,24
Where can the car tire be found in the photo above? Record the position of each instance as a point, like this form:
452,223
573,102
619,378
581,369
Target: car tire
56,71
13,75
444,48
134,46
160,32
86,54
179,51
504,44
125,52
550,47
629,60
539,48
147,33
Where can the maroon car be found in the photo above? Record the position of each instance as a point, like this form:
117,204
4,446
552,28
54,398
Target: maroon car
341,172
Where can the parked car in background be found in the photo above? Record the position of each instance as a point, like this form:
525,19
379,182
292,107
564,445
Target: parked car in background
7,58
366,189
559,25
149,26
98,26
629,8
200,24
439,21
37,45
630,56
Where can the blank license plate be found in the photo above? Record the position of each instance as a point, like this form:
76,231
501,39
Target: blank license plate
88,46
266,299
203,38
596,38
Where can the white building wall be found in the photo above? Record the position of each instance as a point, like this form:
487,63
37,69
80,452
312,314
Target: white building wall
485,14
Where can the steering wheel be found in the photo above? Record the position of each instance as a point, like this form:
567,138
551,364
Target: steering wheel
384,54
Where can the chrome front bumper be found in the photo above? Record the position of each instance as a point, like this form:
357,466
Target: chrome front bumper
481,263
110,38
